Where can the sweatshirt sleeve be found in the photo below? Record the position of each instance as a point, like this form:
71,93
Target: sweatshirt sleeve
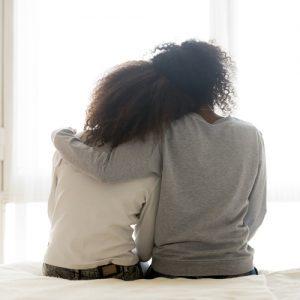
128,161
51,200
258,197
144,230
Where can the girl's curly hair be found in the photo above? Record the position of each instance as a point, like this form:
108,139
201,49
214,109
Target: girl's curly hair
142,97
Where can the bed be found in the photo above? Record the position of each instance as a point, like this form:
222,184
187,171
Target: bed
25,281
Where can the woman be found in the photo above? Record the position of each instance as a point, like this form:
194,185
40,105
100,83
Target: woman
212,168
91,224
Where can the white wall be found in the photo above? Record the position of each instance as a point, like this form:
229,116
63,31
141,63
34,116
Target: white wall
5,103
1,130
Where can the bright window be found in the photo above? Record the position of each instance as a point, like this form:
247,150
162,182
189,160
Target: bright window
61,48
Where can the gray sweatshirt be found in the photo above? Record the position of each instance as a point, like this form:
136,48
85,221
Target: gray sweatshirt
213,190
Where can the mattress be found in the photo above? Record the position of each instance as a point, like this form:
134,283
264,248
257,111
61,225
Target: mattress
25,281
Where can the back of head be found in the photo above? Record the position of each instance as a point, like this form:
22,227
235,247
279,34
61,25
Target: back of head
139,98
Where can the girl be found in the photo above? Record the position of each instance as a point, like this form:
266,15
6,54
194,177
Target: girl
91,223
162,115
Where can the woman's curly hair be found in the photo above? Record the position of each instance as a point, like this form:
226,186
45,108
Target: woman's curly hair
142,97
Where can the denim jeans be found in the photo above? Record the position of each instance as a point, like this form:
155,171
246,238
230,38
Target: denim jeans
151,273
126,273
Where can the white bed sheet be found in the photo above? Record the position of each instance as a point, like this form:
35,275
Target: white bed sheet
25,281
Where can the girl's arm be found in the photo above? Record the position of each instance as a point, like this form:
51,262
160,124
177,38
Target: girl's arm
51,200
128,161
258,196
144,230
